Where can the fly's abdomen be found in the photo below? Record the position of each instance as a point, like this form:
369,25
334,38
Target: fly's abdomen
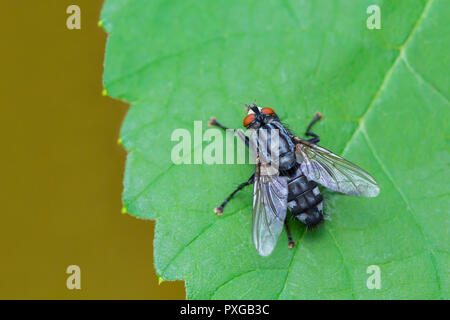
305,200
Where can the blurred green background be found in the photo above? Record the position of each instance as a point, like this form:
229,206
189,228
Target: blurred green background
61,166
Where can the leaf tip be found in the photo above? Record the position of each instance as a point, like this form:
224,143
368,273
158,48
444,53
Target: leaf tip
124,210
100,23
119,141
104,92
160,280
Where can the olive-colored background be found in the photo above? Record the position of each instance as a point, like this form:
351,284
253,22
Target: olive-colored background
61,166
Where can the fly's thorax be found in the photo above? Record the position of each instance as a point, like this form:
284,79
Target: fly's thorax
273,145
287,161
285,148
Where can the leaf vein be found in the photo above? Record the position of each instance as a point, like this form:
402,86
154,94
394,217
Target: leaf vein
408,208
387,76
423,80
344,263
290,264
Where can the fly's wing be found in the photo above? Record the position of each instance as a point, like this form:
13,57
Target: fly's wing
334,172
269,209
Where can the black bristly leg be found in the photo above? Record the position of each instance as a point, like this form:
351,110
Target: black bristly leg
213,123
315,138
291,243
219,209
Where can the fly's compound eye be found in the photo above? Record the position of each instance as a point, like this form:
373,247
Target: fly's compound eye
248,119
267,111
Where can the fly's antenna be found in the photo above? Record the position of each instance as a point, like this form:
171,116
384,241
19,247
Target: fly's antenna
247,108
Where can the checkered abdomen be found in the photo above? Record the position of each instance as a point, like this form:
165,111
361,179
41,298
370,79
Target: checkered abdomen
304,199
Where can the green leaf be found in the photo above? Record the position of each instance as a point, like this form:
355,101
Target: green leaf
384,97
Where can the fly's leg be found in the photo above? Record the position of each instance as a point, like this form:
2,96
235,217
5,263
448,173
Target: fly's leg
219,209
315,138
291,243
213,123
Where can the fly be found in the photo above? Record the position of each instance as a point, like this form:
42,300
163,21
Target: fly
301,166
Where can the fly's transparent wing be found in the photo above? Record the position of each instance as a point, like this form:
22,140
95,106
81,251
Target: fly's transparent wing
334,172
269,209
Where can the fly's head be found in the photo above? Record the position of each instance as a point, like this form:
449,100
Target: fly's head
258,117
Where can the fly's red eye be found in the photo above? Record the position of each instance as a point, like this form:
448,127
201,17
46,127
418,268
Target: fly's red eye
267,111
248,119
